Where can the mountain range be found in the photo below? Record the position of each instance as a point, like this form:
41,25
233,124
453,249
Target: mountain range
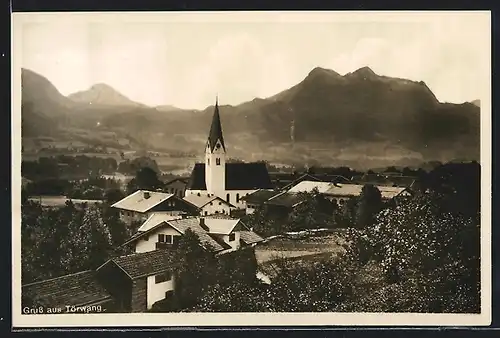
337,111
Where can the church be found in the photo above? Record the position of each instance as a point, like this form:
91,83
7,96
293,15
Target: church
228,181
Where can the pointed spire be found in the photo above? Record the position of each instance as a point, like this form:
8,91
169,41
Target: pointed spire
216,128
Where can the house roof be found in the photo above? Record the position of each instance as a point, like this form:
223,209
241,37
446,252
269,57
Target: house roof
221,225
260,196
156,218
179,179
202,200
216,129
308,186
239,176
138,201
143,264
181,225
348,190
286,199
76,289
250,237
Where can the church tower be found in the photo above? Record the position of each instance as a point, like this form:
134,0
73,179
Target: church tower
215,157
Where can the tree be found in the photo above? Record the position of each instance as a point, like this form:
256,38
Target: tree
146,178
195,269
369,204
432,252
314,212
112,196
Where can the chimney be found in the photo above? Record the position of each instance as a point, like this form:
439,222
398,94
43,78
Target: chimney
147,195
203,225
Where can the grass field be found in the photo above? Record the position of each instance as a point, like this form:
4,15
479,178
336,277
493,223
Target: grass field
302,250
58,201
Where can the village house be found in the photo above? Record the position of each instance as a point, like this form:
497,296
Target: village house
135,282
219,234
282,202
257,199
340,193
283,181
176,186
209,204
229,181
137,207
77,290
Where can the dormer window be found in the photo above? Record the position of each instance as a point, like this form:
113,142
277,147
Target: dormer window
217,161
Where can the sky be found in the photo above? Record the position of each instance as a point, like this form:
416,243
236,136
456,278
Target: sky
186,59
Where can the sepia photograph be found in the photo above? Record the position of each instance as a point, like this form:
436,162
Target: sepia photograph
251,168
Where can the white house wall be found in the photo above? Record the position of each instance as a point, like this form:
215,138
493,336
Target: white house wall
235,245
232,196
148,242
217,207
156,292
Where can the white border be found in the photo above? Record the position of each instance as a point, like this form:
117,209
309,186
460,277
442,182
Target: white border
248,319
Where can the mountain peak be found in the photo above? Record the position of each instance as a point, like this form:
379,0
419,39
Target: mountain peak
319,71
102,94
365,72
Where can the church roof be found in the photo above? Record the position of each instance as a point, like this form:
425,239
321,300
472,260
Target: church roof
239,176
216,130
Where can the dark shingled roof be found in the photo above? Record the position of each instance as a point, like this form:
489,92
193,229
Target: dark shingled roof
250,237
260,196
77,289
286,199
215,130
239,176
144,264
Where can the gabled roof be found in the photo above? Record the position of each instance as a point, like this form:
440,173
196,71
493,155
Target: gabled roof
181,225
318,178
138,201
220,225
156,218
144,264
239,176
216,130
308,186
287,199
76,289
250,237
202,200
180,179
347,190
260,196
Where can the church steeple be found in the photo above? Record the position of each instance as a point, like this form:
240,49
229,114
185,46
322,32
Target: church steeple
216,129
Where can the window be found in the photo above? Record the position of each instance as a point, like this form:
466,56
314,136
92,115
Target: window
217,161
169,293
161,238
163,277
208,161
232,237
206,213
220,203
169,239
211,203
216,211
237,198
146,238
198,194
227,198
